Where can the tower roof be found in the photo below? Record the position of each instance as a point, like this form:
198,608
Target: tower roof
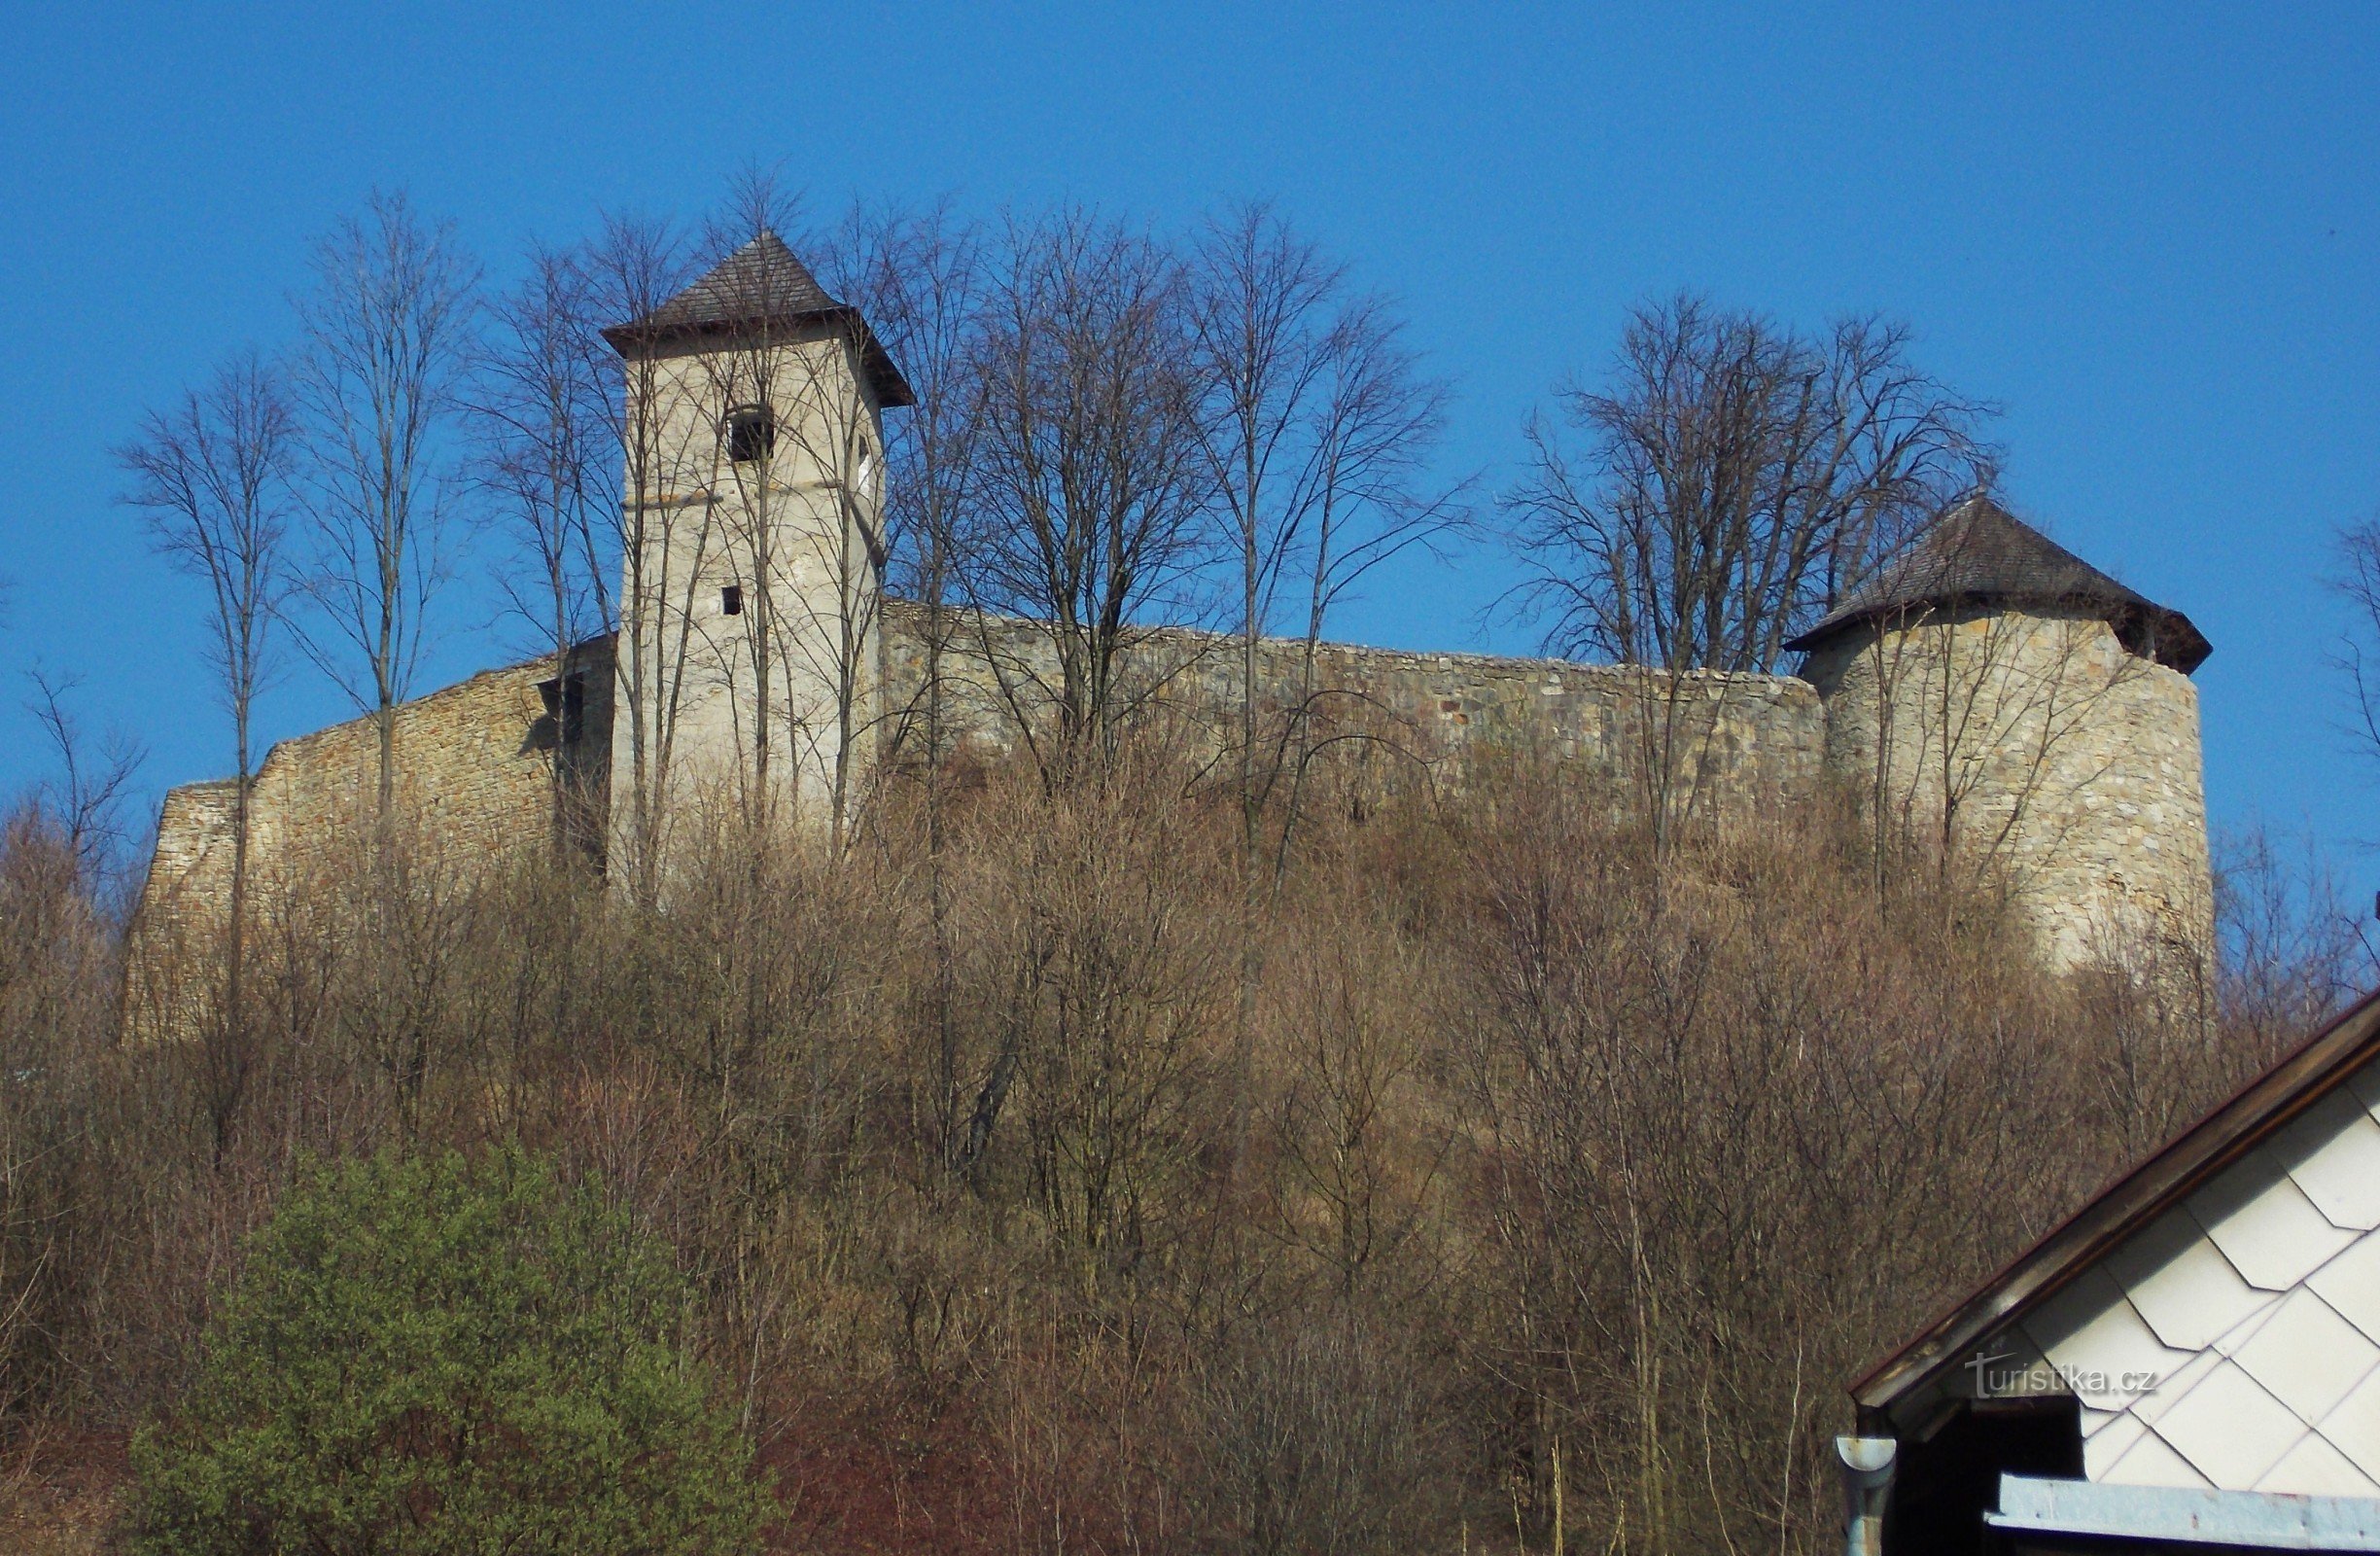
1977,553
760,284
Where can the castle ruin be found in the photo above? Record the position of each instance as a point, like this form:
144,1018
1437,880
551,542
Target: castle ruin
1991,692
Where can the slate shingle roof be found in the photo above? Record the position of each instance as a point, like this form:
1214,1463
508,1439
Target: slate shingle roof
2312,1115
760,283
1979,553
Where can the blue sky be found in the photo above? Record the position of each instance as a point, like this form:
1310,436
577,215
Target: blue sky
2150,233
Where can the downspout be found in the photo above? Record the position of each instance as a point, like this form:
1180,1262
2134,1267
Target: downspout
1867,1480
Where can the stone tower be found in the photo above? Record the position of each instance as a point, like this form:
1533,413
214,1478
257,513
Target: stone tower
750,576
1994,696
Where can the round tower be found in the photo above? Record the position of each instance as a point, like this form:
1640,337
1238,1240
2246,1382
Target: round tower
2000,703
752,561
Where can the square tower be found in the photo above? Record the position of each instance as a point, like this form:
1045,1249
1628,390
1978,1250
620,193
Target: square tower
752,557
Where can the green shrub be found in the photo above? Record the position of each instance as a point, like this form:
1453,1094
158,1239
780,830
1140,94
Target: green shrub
448,1355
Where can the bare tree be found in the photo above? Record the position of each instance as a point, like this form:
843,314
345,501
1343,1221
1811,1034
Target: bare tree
212,478
58,1003
387,329
1316,431
2294,950
794,477
665,536
815,497
1312,1437
541,412
2355,574
1092,476
87,797
917,276
1737,479
1982,748
753,471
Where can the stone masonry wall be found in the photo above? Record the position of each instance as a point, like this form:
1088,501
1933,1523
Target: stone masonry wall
789,531
1734,741
2047,751
2099,796
473,771
472,759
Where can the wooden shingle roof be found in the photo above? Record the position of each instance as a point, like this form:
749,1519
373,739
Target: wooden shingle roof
760,285
1977,554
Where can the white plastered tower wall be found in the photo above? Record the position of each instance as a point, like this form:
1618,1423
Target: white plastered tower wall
750,672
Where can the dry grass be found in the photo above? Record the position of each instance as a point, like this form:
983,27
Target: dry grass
60,1495
1510,1178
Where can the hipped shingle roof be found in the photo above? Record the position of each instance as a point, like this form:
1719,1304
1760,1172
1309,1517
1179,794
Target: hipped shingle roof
760,284
1979,553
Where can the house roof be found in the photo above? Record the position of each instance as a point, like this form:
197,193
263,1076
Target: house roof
760,284
1977,553
2253,1115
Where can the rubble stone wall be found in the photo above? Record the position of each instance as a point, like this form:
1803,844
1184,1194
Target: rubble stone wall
473,770
2035,745
1728,741
2079,760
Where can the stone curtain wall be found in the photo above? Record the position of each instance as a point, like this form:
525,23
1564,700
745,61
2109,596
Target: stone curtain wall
1406,719
2052,755
2073,764
472,759
474,772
